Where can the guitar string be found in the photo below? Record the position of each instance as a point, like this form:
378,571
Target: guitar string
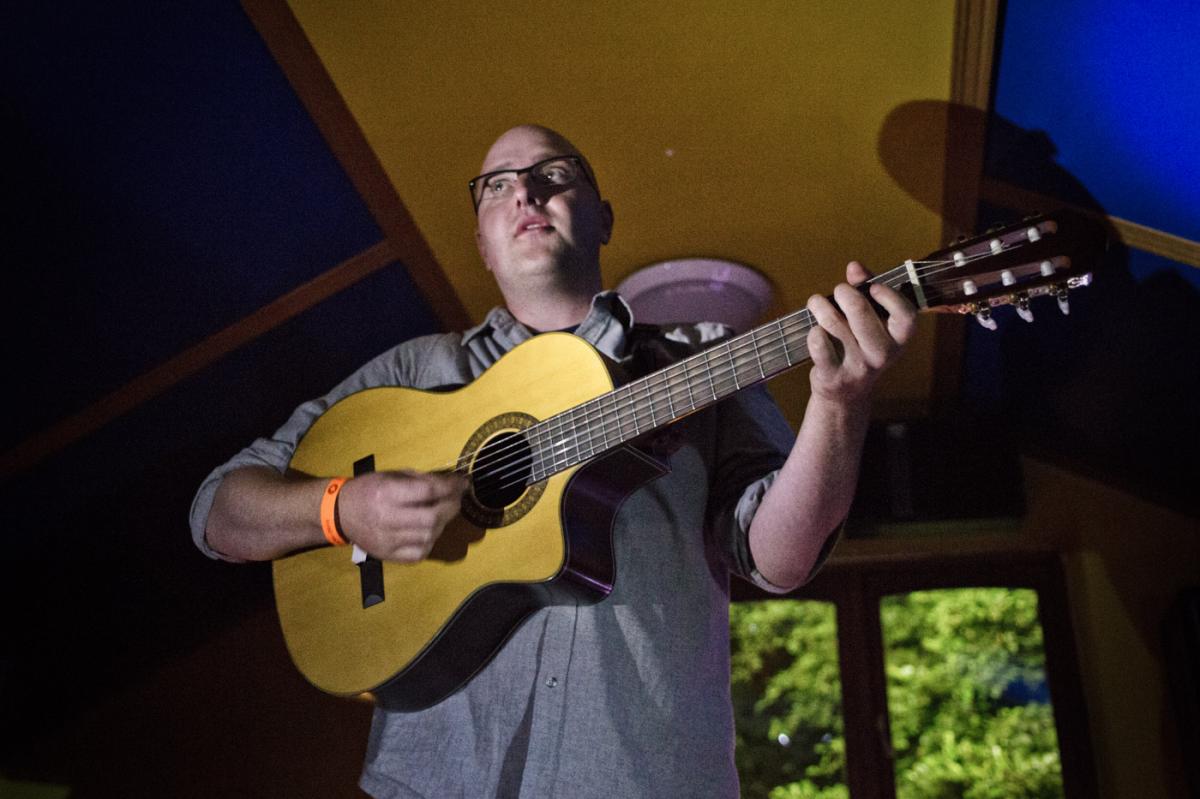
893,277
666,385
899,274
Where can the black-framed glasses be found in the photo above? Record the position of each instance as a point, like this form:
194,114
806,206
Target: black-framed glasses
557,170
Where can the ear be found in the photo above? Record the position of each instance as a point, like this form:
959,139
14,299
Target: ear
482,247
606,216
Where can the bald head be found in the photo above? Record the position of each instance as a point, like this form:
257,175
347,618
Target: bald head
512,147
541,236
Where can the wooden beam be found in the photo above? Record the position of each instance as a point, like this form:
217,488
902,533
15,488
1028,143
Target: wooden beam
972,63
300,63
149,385
1159,242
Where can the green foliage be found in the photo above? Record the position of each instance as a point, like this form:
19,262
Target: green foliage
965,675
786,682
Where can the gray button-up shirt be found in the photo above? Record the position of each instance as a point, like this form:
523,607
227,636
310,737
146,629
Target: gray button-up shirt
625,698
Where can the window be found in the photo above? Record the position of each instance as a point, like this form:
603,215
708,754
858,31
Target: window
968,705
928,677
787,698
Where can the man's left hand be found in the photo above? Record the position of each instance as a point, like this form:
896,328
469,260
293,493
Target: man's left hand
852,345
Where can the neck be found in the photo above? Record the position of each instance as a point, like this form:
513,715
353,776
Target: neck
545,312
554,304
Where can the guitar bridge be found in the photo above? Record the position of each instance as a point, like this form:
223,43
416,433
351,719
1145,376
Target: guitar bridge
370,569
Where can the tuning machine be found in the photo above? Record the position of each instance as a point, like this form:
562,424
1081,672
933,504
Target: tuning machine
983,314
1060,292
1020,301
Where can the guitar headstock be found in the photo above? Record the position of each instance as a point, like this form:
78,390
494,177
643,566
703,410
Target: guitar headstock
1049,254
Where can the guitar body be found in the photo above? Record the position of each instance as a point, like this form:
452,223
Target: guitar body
440,620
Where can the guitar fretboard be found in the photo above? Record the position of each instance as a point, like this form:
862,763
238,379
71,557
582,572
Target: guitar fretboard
658,399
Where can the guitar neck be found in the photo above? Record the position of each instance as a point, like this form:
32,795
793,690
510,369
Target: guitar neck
665,396
1043,255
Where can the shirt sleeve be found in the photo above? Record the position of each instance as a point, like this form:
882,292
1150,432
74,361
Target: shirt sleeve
400,366
753,441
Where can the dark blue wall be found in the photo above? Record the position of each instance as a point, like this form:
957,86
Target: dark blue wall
163,181
1097,104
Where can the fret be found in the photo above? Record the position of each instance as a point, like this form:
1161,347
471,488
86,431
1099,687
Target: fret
649,402
670,402
538,434
587,438
732,365
757,355
637,428
708,373
783,339
615,402
570,437
687,382
554,447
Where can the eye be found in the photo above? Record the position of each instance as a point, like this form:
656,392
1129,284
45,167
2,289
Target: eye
558,173
498,185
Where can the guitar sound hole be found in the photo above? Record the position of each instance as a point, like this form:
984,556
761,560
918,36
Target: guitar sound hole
501,472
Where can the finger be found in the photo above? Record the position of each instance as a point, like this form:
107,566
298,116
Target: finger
423,488
447,510
902,315
856,273
827,315
824,349
869,330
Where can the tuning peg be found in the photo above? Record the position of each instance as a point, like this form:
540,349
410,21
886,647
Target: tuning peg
983,313
1060,294
1022,304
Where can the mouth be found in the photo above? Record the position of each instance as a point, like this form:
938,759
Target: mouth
532,225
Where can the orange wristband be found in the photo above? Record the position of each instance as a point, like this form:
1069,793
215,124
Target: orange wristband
328,519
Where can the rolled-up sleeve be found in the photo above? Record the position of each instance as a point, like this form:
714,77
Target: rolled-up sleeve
752,442
399,366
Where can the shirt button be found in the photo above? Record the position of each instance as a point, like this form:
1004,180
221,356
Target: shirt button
551,682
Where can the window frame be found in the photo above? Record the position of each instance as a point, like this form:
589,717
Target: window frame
856,588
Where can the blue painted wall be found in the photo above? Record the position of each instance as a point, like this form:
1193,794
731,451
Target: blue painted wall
163,181
1098,104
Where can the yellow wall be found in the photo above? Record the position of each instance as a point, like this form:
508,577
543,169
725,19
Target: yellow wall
1127,560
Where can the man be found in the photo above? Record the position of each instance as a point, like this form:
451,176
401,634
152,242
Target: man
628,697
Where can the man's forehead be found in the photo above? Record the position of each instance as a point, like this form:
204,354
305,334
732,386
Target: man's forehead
526,145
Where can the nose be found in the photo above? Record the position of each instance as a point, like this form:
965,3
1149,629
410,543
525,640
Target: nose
527,191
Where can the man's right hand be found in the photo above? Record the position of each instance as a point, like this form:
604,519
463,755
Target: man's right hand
260,514
399,515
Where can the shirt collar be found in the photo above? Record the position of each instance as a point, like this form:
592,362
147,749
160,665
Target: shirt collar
606,326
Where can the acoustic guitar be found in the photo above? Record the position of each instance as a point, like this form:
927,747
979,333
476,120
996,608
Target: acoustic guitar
543,436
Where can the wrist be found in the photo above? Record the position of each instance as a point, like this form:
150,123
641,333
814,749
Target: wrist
330,525
839,407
